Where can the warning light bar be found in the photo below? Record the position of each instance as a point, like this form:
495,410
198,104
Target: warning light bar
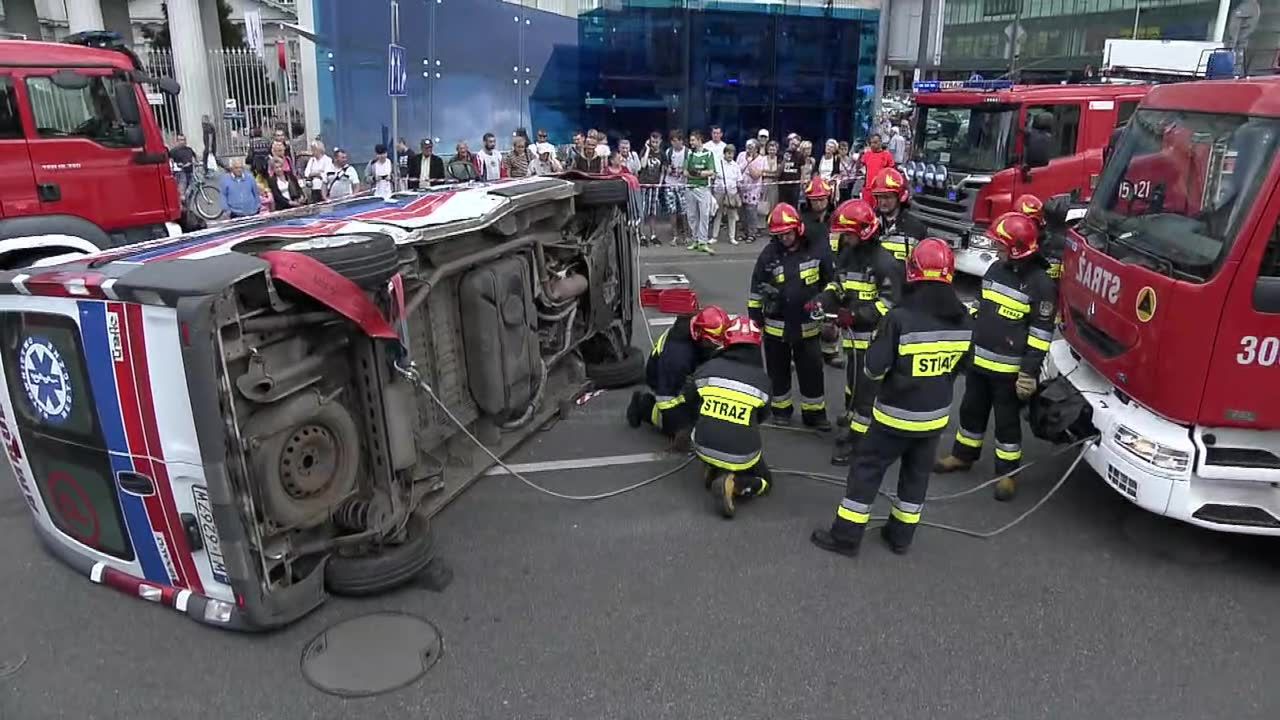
932,86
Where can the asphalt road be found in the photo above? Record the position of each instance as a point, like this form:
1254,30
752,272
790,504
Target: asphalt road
648,606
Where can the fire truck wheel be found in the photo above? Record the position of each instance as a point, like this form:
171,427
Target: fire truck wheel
603,192
382,567
623,372
366,260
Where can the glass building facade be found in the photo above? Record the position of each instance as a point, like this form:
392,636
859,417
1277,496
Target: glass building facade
1060,37
623,66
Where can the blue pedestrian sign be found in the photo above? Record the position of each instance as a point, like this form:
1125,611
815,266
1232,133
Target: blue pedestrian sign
397,74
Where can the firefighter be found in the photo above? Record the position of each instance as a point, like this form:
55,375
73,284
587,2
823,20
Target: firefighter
731,395
1011,336
899,231
916,353
788,276
1050,244
815,217
868,281
679,351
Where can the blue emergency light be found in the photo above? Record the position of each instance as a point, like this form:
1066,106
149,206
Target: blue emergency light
933,86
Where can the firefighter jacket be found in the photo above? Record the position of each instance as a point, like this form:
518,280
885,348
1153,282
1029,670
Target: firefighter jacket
731,394
783,282
1014,317
916,354
1051,246
868,282
900,234
817,229
674,358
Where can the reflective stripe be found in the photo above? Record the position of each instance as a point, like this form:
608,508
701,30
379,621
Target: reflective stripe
808,404
1040,333
780,278
775,327
755,300
780,403
809,330
724,460
1008,451
856,276
666,402
959,346
659,346
964,437
984,358
859,423
935,336
809,265
734,385
857,340
882,307
832,286
905,512
1005,290
860,285
809,276
1037,343
854,512
910,420
1005,301
655,416
1055,269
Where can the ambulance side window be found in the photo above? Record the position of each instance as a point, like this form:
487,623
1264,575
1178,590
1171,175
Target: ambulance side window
1266,291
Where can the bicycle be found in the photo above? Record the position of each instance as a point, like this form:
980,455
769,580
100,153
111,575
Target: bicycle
202,198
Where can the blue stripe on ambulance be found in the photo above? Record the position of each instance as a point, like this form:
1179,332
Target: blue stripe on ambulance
106,400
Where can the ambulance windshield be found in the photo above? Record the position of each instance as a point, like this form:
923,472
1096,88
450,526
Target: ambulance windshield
1178,188
972,139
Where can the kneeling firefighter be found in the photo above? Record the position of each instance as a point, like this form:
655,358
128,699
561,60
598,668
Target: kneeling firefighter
868,281
816,216
1011,337
679,351
789,275
916,353
731,396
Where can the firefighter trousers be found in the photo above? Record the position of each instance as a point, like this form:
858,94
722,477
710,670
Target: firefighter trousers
666,420
754,481
859,394
806,355
879,450
983,393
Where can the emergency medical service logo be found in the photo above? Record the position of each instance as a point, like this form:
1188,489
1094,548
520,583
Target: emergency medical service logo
46,380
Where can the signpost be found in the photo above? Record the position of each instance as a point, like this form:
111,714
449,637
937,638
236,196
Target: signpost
397,79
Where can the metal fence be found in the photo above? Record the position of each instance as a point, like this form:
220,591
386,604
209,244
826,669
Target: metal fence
248,92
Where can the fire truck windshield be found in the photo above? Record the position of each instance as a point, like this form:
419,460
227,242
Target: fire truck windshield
1178,187
972,139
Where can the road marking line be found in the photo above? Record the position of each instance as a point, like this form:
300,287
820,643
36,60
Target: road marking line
581,463
662,321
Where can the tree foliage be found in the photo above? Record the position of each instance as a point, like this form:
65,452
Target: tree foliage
232,34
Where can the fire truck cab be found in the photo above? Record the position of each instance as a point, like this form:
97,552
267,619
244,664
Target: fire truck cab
1170,303
970,157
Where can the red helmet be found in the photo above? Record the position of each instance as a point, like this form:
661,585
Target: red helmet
783,219
709,324
742,330
1018,234
890,180
818,188
857,217
1030,206
931,261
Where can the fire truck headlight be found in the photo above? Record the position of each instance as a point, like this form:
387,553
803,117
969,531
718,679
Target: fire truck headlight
979,241
909,171
217,611
1151,452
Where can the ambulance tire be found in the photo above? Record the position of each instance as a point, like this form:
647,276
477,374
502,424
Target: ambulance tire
626,371
389,567
366,260
602,193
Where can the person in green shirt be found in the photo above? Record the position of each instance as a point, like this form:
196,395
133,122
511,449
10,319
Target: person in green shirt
699,167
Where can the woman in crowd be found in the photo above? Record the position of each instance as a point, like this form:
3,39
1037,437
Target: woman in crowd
280,152
848,170
285,191
828,166
806,165
519,159
751,189
770,195
726,190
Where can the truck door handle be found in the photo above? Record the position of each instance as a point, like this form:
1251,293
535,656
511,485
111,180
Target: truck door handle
135,483
48,192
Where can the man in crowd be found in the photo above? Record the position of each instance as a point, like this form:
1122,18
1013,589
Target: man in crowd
543,145
915,355
319,170
184,161
426,168
699,171
463,166
490,159
404,159
788,277
875,159
345,181
674,187
241,196
789,169
588,160
650,176
518,160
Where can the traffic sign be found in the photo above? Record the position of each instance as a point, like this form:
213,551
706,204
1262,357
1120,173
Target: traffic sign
397,74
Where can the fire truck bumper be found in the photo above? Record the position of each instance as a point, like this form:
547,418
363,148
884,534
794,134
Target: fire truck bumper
975,262
1153,462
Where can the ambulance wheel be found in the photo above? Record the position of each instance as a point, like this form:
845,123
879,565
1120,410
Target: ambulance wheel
382,568
366,260
625,371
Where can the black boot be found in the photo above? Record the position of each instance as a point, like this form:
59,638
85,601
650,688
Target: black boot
818,421
635,411
844,446
780,419
895,544
823,538
723,490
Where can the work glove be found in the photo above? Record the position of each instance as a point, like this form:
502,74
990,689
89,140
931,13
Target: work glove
1026,386
844,318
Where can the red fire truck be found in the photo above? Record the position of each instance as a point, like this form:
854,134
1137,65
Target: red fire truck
1171,309
969,159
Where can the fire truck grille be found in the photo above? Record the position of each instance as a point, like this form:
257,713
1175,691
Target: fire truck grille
1122,482
1243,457
1237,515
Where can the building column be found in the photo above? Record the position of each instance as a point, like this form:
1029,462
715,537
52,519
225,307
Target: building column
209,23
191,62
20,17
84,15
115,17
310,75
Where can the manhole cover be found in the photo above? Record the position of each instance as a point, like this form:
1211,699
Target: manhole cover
1177,541
371,654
